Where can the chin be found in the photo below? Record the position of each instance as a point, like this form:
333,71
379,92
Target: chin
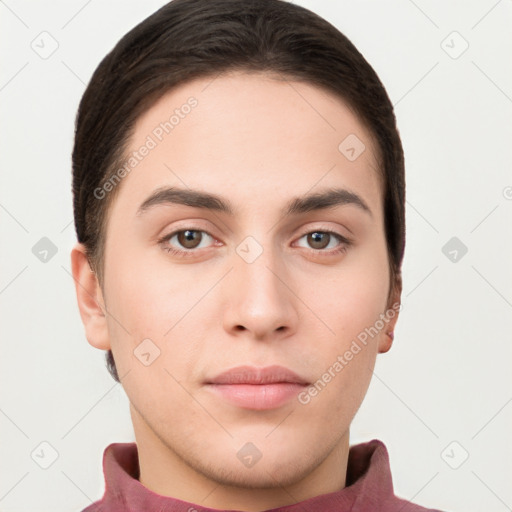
263,475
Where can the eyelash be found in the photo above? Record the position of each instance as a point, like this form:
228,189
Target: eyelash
185,253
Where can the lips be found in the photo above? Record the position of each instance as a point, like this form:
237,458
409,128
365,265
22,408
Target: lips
253,388
258,376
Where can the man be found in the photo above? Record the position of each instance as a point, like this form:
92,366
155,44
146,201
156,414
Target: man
239,195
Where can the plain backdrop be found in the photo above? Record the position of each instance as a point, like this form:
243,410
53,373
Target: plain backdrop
441,399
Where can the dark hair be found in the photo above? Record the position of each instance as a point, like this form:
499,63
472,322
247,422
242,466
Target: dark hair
187,39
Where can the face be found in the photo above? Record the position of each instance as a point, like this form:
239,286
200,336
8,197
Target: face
270,271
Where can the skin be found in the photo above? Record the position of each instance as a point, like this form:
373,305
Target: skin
258,142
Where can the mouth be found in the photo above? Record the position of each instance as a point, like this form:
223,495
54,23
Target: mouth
257,388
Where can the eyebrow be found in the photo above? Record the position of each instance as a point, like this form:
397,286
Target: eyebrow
329,198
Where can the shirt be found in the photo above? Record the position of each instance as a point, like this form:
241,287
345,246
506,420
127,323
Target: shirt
368,487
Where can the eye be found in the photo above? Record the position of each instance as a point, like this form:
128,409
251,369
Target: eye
186,240
319,240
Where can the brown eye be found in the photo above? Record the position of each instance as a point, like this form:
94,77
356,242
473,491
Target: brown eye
189,238
319,239
324,242
186,241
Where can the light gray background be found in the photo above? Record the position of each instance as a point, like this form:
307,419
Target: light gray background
443,391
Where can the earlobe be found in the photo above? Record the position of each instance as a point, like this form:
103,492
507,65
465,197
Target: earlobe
386,341
90,299
392,311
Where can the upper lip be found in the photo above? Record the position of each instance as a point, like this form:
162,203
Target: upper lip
251,375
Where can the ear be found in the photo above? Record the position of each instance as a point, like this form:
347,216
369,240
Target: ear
391,313
90,299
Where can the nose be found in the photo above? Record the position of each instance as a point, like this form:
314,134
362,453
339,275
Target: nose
260,301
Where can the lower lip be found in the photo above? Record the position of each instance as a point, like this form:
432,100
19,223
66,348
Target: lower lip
257,396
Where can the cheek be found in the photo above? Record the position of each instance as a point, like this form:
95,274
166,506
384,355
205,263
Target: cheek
348,307
153,309
350,298
145,293
345,353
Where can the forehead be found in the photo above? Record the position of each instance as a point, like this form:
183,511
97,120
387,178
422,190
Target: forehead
250,134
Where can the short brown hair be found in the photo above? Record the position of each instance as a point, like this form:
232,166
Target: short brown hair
188,39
